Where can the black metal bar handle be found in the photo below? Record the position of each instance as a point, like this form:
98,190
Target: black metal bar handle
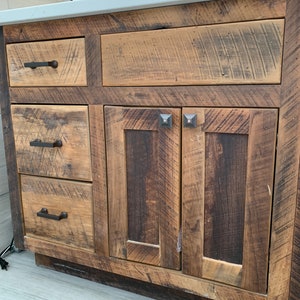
39,143
33,64
43,213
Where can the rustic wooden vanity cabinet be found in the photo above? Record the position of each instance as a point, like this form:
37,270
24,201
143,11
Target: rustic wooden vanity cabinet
159,147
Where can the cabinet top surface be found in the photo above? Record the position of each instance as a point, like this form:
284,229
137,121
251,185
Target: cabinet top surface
78,8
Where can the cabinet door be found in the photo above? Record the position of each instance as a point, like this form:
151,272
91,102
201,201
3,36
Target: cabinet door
143,169
228,166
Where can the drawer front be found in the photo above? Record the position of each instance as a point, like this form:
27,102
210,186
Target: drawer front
46,200
39,129
235,53
70,69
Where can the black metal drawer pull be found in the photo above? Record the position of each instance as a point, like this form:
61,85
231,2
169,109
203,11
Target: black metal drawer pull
39,143
43,213
33,64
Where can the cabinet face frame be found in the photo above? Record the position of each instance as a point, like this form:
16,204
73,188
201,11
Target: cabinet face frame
259,127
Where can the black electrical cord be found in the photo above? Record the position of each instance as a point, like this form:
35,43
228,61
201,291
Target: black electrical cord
9,248
3,264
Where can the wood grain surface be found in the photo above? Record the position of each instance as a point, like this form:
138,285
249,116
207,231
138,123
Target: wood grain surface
202,13
292,97
98,161
9,147
143,191
284,265
236,53
69,55
6,230
58,196
143,272
232,96
47,123
268,232
228,195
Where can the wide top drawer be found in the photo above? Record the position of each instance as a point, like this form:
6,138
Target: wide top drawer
233,53
47,63
52,140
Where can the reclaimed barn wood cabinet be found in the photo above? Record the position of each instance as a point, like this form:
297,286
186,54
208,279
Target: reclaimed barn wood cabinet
226,173
158,149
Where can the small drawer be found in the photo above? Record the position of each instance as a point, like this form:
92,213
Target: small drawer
49,63
58,210
52,141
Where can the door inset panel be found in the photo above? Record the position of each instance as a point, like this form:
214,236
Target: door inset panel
224,205
143,168
227,183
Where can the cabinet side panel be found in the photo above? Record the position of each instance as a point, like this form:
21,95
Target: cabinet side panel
293,71
6,231
295,278
9,146
284,248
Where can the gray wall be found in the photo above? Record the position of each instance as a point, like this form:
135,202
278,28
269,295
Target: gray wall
6,232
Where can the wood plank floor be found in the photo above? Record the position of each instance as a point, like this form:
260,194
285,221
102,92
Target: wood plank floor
23,280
